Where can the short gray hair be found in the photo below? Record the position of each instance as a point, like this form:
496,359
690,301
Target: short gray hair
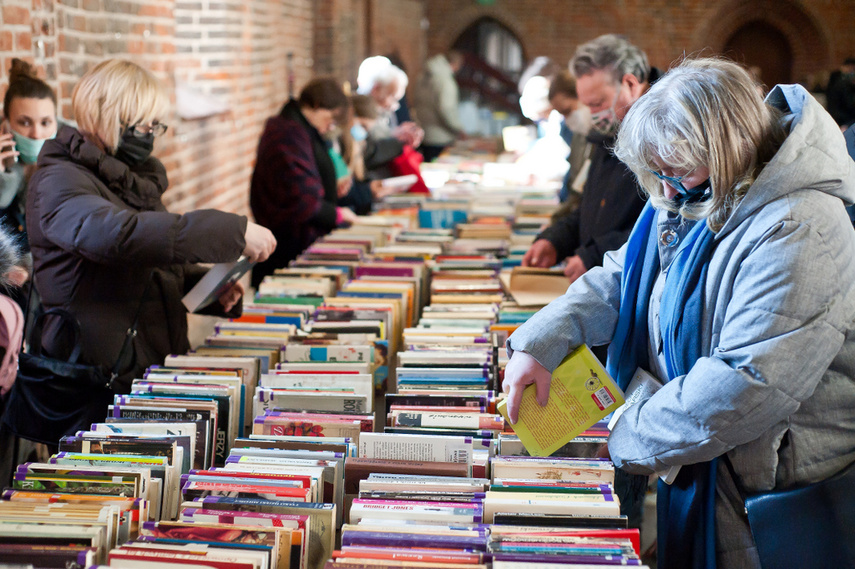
613,53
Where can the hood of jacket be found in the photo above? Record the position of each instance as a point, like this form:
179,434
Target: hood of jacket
140,187
812,157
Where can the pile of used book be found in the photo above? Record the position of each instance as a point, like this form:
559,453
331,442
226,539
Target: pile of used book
349,418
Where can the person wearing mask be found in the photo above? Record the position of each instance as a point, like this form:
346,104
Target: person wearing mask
363,191
386,84
104,246
611,74
734,290
294,187
436,103
575,127
29,113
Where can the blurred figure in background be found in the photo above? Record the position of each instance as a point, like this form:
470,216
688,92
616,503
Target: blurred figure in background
574,130
841,94
29,110
387,84
611,74
294,186
436,103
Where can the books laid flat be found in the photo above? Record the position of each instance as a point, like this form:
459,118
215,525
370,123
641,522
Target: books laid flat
531,286
219,278
581,393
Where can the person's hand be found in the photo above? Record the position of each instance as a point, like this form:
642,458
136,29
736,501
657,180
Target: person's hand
7,151
603,452
574,268
542,254
347,216
231,297
523,370
410,133
17,276
378,190
343,185
260,242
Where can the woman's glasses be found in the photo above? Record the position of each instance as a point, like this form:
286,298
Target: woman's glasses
143,130
675,182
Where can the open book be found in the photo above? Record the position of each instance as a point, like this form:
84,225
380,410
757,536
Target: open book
581,393
219,278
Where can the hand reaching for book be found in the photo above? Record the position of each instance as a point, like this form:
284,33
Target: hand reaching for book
542,254
260,242
523,370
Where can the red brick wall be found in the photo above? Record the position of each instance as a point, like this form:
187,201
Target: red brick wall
340,42
819,31
236,51
232,49
396,27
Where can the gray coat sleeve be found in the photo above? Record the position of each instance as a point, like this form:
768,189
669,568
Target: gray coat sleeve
782,329
586,314
84,223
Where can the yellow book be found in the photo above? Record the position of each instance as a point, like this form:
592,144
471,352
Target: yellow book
581,393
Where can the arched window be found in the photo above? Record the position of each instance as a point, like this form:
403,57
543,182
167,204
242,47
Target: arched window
494,62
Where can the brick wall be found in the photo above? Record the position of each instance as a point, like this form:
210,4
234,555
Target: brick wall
340,42
234,50
396,26
819,31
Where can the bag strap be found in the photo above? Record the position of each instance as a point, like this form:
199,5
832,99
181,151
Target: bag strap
68,319
130,334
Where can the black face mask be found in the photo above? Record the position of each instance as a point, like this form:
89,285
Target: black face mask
133,150
699,193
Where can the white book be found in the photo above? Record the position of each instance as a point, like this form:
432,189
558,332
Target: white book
424,448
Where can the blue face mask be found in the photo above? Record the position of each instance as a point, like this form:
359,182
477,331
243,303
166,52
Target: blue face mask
29,148
685,195
358,132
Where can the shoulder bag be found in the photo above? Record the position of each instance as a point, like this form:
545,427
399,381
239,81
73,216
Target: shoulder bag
810,526
51,397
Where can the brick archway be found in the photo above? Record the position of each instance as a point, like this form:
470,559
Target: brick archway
465,17
809,41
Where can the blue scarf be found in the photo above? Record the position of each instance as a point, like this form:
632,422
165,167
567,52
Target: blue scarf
685,509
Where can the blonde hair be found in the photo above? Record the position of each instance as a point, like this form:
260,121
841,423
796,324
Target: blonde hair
703,113
114,95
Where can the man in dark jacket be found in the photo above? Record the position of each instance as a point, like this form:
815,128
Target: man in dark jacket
611,74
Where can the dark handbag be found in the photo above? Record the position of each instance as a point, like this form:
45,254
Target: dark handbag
52,398
812,526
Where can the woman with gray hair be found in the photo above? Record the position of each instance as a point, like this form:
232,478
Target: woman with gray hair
734,290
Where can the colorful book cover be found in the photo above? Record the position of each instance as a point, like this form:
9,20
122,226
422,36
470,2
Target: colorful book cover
581,393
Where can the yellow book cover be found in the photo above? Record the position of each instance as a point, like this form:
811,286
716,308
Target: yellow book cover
581,393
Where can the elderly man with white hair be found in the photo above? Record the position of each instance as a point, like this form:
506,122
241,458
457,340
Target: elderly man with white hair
386,84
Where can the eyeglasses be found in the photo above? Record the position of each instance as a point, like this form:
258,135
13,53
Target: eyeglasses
675,182
154,129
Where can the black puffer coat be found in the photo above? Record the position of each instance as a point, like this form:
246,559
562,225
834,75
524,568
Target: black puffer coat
99,233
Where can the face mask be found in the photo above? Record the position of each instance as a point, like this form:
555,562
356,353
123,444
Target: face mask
133,150
697,194
29,148
358,132
579,121
606,122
